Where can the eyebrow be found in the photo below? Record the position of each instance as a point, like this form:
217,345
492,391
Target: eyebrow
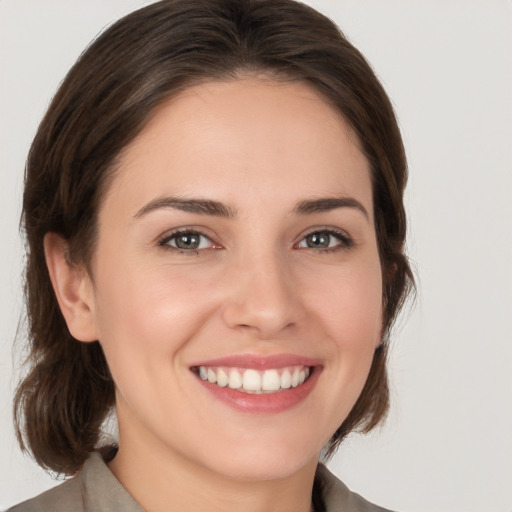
327,204
218,209
201,206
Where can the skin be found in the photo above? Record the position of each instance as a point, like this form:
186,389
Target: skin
255,286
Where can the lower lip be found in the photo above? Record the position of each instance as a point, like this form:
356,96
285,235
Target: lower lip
264,402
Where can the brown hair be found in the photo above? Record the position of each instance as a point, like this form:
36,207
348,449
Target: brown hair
104,102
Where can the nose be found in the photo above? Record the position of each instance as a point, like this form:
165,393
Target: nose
263,297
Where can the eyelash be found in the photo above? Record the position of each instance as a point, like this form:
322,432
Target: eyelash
164,242
346,242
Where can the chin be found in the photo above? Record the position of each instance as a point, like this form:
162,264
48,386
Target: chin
263,459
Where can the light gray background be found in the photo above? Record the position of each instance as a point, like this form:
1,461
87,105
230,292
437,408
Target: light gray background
446,64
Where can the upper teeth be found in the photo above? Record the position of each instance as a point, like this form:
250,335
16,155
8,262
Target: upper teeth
255,381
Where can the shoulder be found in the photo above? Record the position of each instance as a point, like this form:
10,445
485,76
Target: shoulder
93,489
63,498
338,497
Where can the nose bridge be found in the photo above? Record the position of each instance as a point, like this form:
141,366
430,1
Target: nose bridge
263,294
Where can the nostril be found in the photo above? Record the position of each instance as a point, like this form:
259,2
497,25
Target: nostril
260,309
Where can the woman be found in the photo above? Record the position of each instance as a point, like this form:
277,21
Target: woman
213,209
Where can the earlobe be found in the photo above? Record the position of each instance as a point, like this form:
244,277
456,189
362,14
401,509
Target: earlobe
73,289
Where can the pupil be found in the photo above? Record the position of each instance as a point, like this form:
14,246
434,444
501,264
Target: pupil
318,240
187,241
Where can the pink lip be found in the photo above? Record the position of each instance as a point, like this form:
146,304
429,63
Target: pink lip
265,402
260,362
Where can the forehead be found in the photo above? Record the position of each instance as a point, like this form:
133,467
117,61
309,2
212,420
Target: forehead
245,136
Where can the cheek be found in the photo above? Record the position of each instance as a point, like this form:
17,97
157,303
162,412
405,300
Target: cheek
149,311
349,303
346,305
144,321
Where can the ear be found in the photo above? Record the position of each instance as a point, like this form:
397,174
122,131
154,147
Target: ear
73,289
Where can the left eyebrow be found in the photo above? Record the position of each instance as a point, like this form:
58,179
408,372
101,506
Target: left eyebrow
327,204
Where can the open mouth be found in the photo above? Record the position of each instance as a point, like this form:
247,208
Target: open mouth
253,381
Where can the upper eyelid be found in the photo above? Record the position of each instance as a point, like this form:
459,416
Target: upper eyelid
331,229
167,235
325,229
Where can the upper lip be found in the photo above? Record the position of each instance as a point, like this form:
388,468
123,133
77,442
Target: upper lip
259,362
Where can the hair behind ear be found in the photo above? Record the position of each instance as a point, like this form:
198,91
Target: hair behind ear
60,405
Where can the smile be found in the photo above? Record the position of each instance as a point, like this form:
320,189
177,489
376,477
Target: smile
259,384
253,381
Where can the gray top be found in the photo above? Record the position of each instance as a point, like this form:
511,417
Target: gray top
96,489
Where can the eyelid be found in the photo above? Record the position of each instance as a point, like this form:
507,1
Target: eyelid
163,240
346,241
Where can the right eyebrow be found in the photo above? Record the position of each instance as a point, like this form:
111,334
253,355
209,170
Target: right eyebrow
201,206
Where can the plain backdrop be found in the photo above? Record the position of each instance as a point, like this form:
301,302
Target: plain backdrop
447,66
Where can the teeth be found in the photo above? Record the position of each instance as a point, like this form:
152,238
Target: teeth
271,380
255,381
251,380
235,379
222,378
286,379
295,378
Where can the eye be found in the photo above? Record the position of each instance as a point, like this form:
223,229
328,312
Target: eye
187,241
325,239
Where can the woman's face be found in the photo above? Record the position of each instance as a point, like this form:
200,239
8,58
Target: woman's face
236,244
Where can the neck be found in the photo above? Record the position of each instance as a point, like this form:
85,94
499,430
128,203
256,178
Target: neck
161,481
